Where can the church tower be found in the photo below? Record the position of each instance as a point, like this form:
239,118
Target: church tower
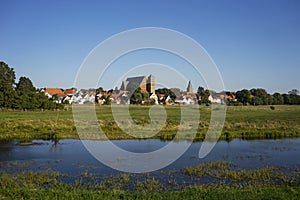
151,84
189,88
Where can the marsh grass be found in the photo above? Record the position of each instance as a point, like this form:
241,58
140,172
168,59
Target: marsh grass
230,174
48,185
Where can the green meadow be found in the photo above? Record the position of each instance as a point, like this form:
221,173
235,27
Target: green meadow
247,122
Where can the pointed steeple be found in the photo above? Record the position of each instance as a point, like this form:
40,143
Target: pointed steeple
124,85
189,87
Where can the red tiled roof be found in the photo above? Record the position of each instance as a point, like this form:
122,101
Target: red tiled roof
54,91
70,91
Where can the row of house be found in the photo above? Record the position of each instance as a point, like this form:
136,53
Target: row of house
147,84
70,96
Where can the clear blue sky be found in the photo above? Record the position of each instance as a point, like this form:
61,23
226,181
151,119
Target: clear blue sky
254,43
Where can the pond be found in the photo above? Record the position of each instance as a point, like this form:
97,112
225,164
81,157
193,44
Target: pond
70,156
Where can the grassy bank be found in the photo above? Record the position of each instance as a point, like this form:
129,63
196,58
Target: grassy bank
247,122
201,192
252,184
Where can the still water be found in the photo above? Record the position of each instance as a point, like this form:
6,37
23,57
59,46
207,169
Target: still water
70,156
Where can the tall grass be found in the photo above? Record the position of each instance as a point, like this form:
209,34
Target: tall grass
245,122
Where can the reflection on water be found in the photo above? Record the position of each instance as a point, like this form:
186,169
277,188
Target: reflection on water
70,156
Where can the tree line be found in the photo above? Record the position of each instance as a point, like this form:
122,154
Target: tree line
259,96
21,94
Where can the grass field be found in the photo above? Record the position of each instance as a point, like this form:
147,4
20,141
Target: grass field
248,122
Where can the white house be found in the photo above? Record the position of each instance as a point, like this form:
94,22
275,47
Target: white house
185,100
154,97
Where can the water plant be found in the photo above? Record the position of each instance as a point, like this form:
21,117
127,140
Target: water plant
47,185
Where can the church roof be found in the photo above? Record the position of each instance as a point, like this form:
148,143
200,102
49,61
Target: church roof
137,79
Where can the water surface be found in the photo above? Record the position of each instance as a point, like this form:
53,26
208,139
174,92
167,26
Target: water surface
70,156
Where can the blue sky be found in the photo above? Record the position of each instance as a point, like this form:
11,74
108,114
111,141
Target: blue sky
254,43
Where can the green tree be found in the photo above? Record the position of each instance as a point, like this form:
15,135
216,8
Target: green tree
107,100
167,92
136,96
7,83
277,99
286,99
256,101
243,96
26,95
25,86
270,99
294,97
294,92
44,102
203,95
145,96
262,94
99,90
22,95
54,98
200,90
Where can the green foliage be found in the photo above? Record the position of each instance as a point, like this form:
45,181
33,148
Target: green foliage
291,99
233,103
7,83
23,95
107,100
100,90
25,86
277,99
138,96
294,98
243,96
27,97
167,92
260,97
294,92
203,96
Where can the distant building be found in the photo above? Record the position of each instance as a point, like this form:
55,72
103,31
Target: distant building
146,84
189,88
52,92
71,91
150,84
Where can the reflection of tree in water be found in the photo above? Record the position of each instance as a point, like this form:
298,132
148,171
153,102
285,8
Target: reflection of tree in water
6,147
55,146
